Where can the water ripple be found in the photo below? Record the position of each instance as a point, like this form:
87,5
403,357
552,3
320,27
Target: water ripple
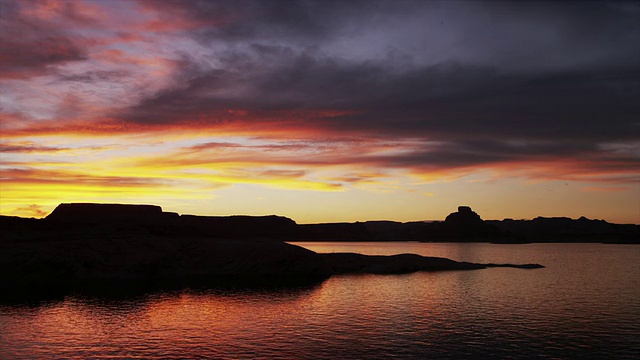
580,306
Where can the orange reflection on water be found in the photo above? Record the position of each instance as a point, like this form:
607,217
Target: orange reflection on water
362,316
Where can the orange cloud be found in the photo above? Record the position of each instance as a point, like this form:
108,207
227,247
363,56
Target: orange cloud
32,210
25,176
28,147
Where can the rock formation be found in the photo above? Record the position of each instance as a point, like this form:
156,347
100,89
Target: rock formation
467,226
464,217
462,226
82,246
104,213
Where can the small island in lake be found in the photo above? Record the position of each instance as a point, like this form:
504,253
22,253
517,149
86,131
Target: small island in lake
83,246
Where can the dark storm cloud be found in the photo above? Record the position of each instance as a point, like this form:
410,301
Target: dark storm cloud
95,76
444,99
25,59
505,34
495,81
467,154
28,46
250,19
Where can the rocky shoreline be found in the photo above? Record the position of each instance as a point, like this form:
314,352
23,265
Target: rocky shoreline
92,245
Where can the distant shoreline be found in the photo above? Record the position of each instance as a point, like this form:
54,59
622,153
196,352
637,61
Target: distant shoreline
461,226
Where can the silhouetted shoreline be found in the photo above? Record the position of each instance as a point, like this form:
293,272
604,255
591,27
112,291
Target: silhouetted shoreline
467,226
89,247
461,226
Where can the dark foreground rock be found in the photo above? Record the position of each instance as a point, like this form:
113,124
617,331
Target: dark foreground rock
142,257
60,255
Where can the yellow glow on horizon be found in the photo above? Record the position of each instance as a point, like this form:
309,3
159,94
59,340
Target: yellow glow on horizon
143,102
198,173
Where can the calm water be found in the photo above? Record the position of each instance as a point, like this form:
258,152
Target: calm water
584,304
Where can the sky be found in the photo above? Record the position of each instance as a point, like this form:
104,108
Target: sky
322,111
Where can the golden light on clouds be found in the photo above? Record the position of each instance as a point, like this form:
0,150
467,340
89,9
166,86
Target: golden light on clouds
219,110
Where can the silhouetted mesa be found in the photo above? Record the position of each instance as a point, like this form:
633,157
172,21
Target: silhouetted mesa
105,213
82,245
152,219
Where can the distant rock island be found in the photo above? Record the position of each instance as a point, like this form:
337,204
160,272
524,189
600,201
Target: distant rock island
84,246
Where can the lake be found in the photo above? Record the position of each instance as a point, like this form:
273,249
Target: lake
585,304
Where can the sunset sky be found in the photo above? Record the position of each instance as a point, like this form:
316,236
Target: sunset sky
322,111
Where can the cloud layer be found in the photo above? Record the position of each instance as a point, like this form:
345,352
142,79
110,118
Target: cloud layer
324,92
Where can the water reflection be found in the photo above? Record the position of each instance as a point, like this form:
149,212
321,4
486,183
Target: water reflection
165,324
571,309
126,290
